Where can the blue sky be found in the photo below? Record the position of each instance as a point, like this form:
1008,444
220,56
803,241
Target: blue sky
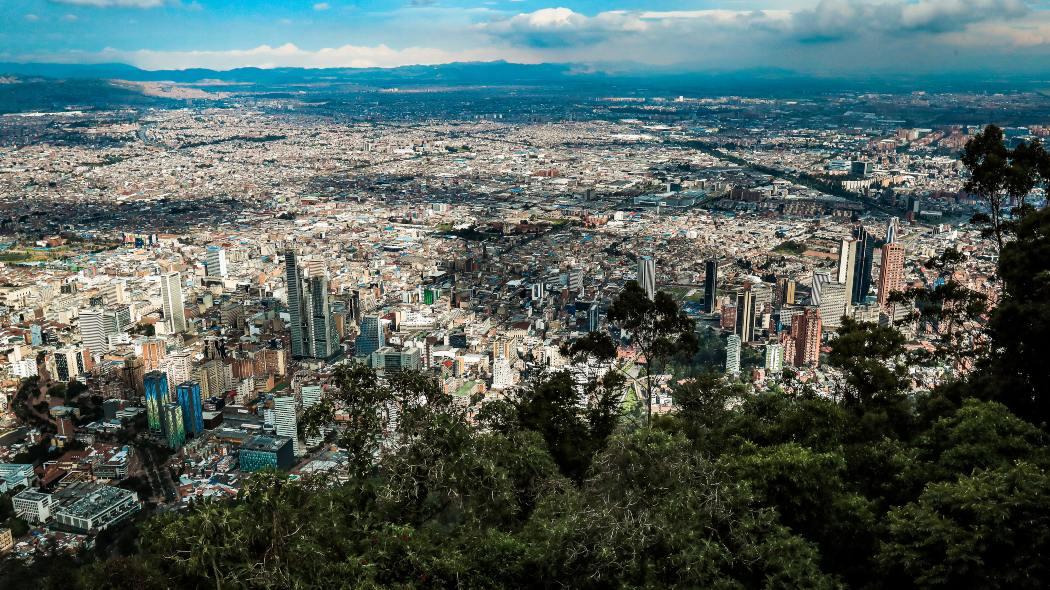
813,36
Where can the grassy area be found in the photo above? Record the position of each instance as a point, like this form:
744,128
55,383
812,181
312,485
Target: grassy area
791,247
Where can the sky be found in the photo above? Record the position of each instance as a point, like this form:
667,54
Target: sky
822,37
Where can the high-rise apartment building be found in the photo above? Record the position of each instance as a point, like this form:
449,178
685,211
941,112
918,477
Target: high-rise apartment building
647,276
775,357
172,302
733,346
806,330
891,271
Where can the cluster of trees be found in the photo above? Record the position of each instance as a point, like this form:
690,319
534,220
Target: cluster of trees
880,487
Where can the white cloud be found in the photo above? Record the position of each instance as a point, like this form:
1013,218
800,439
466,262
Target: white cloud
322,6
31,18
287,55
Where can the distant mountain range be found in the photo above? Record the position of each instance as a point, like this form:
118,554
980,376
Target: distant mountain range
619,76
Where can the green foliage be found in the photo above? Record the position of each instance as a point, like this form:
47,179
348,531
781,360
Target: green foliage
987,530
655,326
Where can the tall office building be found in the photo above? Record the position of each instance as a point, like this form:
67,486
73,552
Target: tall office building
309,308
806,330
834,303
745,315
593,317
733,355
297,323
371,337
891,230
156,386
710,285
173,425
188,395
863,263
215,262
285,420
171,299
647,276
847,262
891,271
324,341
93,330
820,280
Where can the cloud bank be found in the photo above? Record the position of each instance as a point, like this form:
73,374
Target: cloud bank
830,36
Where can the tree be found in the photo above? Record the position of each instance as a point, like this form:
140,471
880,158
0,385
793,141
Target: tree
987,530
997,172
369,403
656,327
1016,371
872,358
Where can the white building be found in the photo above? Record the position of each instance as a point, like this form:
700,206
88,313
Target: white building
733,355
775,358
33,506
172,302
93,331
286,422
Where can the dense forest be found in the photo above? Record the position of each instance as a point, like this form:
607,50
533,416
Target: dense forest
881,487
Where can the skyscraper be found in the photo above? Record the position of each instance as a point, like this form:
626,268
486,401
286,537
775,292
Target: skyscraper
173,425
371,337
891,271
309,309
745,315
891,230
285,420
847,262
215,263
93,330
188,395
806,332
834,303
647,276
733,355
324,342
820,280
156,386
171,299
710,285
863,262
296,323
